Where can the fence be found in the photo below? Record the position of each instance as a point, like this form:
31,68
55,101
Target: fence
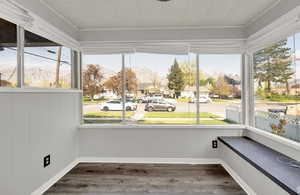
264,120
234,114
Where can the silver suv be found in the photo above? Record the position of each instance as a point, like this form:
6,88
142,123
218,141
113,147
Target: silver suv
159,105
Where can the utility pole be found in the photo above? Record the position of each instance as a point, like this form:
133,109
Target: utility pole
0,79
58,66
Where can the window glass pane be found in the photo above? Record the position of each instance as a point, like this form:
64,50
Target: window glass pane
102,87
161,87
220,89
8,54
276,74
47,64
132,107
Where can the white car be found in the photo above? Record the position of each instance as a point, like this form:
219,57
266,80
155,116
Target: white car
202,99
116,105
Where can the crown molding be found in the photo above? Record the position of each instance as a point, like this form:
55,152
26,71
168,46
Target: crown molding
51,32
281,28
262,13
15,13
60,15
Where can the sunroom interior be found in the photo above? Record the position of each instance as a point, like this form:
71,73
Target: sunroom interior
150,97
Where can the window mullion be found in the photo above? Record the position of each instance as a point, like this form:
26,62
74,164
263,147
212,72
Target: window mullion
123,88
249,90
198,89
75,70
244,88
20,56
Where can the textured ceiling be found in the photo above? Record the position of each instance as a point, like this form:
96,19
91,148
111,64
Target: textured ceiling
103,14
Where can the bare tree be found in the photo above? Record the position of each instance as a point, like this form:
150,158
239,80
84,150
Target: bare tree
114,83
92,79
155,80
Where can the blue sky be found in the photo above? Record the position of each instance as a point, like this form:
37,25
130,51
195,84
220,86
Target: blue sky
211,64
8,56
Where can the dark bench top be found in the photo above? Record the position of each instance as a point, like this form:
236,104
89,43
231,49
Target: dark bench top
278,167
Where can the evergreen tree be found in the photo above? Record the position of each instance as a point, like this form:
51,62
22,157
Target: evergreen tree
285,73
272,64
176,79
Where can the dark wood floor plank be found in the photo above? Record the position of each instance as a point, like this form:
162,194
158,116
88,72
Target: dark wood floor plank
152,179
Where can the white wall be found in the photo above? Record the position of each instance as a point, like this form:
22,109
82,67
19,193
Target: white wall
33,125
134,142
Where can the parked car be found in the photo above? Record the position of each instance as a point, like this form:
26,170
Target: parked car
115,105
144,99
159,105
202,99
293,110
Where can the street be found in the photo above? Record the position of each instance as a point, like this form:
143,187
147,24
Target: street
215,108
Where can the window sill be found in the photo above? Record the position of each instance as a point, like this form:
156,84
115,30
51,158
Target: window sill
132,126
276,138
38,90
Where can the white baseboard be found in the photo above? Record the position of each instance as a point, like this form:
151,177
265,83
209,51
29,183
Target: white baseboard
150,160
238,179
58,176
55,179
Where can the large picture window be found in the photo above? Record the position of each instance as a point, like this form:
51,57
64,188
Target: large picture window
277,88
102,89
163,88
220,89
46,63
156,88
8,54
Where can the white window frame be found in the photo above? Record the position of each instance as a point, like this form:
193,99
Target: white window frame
75,69
124,122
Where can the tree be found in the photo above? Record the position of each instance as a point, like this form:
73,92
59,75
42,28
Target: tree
285,73
272,64
155,80
131,81
221,88
114,83
92,79
189,74
176,79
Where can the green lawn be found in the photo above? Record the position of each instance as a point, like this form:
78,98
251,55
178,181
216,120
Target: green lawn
94,101
224,100
110,114
91,121
183,122
178,115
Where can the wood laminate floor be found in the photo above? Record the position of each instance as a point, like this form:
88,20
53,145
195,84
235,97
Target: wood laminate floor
152,179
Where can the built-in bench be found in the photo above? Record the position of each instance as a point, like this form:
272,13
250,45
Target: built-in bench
280,168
